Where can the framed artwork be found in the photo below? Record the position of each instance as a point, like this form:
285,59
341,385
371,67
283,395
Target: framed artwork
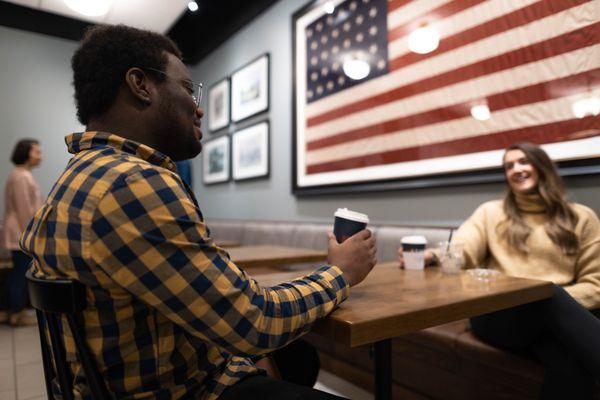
250,152
218,105
216,160
393,94
250,89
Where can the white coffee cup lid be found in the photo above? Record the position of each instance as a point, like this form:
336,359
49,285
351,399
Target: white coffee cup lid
416,239
352,215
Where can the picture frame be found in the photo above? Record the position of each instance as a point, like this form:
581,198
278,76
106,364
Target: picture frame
216,160
407,126
250,152
250,88
219,105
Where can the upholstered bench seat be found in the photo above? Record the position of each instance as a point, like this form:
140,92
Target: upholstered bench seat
314,236
446,362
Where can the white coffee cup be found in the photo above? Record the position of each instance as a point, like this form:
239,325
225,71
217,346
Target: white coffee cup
413,249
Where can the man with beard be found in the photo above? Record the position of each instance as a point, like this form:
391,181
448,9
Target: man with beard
169,316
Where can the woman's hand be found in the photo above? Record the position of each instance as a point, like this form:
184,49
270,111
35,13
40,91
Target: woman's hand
429,257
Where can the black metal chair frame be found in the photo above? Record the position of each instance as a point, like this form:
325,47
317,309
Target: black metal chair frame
52,298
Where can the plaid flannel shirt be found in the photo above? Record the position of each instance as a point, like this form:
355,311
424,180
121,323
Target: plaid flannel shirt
168,315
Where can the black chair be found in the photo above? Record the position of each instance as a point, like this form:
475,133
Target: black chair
51,299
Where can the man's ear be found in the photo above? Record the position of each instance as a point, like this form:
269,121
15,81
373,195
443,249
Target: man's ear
140,86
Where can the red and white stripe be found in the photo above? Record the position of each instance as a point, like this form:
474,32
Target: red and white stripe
529,60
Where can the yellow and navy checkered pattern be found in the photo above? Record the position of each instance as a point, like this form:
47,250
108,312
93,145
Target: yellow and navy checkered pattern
169,316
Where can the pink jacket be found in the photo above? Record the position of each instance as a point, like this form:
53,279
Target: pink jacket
22,198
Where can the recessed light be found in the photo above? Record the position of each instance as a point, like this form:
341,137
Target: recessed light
193,6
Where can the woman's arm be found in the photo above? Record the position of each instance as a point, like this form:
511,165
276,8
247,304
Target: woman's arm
24,200
472,234
586,289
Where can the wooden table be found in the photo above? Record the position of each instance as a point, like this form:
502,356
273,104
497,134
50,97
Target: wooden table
227,243
392,302
273,256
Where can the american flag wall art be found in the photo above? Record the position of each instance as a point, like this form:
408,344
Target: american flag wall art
369,107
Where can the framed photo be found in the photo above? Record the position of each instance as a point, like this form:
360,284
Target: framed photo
250,152
250,89
375,110
218,105
216,160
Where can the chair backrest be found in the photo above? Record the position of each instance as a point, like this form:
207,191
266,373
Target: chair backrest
52,298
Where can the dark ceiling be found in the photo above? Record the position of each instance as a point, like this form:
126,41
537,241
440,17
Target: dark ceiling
199,33
196,34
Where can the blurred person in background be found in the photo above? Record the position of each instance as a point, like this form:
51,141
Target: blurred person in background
22,198
535,233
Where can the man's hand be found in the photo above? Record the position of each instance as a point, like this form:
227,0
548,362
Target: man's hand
355,256
429,257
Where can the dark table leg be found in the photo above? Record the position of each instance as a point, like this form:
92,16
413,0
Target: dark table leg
383,370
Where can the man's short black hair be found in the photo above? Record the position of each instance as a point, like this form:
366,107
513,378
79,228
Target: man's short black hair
20,153
104,56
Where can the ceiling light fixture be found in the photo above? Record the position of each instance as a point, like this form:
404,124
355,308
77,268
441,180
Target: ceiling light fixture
481,112
90,8
424,40
193,6
328,7
588,106
356,68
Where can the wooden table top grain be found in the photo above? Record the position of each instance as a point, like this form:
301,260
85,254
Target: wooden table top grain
273,256
392,301
227,243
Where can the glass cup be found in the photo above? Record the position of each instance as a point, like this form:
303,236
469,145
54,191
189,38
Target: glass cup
484,274
452,257
480,279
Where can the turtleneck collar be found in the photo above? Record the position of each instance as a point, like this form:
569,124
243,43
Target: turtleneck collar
530,203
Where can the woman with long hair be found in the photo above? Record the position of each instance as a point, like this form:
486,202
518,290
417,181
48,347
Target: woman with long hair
534,232
22,198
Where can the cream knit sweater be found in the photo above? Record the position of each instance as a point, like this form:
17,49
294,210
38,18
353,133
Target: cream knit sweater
579,274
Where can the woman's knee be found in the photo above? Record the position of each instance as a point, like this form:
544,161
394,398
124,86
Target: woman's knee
511,329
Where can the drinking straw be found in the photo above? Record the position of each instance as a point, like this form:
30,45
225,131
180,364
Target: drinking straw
449,240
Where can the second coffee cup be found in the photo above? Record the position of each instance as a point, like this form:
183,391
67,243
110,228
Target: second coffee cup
347,223
413,249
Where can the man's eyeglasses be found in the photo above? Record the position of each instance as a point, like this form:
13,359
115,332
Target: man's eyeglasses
194,88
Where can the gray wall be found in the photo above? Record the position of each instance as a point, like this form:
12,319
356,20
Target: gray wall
35,100
272,199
